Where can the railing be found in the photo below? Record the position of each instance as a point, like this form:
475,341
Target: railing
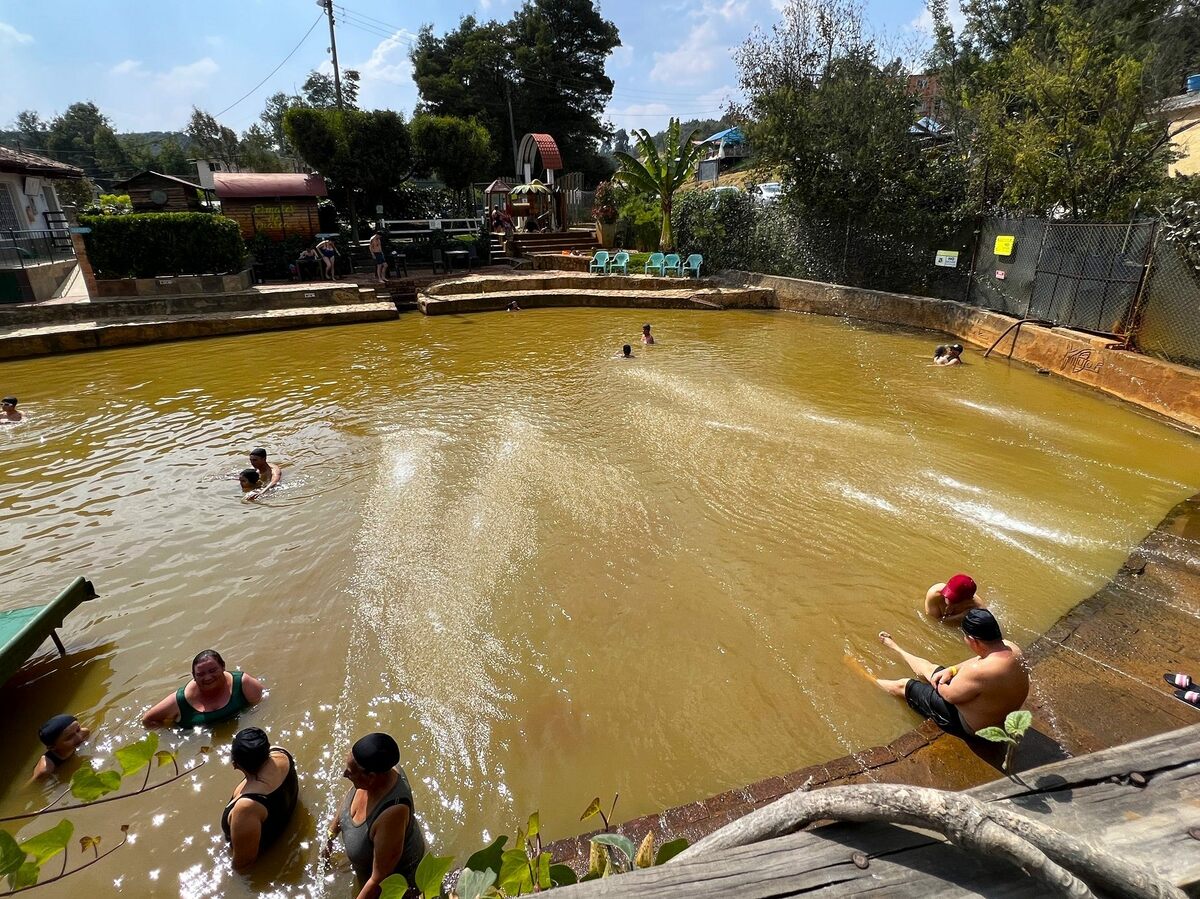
26,249
401,228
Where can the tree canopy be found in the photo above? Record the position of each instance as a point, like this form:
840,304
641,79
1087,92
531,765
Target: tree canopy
548,60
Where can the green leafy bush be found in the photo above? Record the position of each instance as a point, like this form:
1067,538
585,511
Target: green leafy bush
640,221
147,245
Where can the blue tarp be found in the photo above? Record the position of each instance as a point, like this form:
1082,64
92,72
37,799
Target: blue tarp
729,135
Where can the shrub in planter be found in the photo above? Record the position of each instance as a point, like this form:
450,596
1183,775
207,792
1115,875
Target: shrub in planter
147,245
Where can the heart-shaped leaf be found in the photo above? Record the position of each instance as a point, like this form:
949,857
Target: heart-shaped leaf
488,858
49,843
165,757
562,875
393,887
431,872
88,784
1018,722
86,843
515,877
534,825
995,734
668,851
472,884
543,869
136,756
619,842
592,809
597,859
11,856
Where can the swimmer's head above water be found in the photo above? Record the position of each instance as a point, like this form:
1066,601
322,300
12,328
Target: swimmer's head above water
627,351
249,480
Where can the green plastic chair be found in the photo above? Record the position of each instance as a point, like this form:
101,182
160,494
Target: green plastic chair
672,264
654,264
599,262
692,264
621,262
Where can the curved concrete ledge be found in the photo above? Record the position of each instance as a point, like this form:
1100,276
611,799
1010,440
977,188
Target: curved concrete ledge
697,298
1097,684
514,281
1165,388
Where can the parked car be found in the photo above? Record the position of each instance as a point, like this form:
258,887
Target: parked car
727,189
770,192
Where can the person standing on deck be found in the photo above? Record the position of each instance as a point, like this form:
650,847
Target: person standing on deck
376,247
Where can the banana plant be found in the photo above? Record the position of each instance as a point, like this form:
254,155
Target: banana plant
660,173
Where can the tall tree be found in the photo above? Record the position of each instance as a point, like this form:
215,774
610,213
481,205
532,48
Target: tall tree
370,150
212,140
320,92
659,174
31,127
459,150
72,138
548,60
272,118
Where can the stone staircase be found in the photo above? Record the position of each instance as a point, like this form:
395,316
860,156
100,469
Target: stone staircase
37,329
547,242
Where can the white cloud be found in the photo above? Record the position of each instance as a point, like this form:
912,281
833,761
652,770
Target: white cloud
386,76
10,35
621,57
189,75
126,67
694,58
654,116
923,24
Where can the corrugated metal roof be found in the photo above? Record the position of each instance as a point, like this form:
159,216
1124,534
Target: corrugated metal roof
180,181
551,158
1181,103
25,163
267,184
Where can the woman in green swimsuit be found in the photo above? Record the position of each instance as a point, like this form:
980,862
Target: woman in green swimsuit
213,694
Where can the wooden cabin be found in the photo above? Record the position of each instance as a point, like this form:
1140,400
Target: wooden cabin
276,205
156,192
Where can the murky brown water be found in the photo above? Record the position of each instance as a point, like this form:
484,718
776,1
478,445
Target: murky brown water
549,573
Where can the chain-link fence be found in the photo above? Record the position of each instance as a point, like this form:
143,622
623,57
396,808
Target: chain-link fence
1168,321
1005,264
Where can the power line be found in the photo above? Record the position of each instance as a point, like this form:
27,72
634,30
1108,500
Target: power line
274,70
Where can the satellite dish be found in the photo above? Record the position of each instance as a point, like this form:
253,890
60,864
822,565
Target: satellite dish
158,197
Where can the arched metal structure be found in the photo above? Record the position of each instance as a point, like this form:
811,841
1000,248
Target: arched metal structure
533,146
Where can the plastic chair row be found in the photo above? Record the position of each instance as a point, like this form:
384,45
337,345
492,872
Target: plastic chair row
658,263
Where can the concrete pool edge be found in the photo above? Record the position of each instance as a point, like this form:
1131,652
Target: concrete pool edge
1165,388
1097,683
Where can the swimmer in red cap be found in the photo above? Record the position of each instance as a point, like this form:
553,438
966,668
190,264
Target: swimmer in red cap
948,602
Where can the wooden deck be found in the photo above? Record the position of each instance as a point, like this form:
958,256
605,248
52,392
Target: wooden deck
1140,801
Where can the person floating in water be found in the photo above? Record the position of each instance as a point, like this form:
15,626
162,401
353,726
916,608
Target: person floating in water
512,306
268,471
262,804
8,411
948,354
61,736
950,601
647,337
626,352
972,695
377,820
213,694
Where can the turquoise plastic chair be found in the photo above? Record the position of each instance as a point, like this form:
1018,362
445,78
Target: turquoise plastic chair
692,264
671,264
621,262
599,262
654,264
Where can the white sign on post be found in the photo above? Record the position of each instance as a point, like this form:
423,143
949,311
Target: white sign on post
946,258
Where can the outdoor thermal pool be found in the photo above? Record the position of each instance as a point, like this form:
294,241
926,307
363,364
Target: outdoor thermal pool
549,573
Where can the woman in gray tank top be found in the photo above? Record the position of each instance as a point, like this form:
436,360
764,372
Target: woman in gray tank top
377,821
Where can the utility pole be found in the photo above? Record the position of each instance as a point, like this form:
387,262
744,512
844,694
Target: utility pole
512,131
327,5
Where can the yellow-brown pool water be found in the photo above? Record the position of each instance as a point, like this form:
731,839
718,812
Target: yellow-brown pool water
549,573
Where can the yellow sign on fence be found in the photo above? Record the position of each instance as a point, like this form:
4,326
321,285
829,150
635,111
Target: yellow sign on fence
1004,244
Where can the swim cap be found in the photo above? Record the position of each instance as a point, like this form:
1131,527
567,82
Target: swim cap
982,625
251,748
376,753
49,732
959,588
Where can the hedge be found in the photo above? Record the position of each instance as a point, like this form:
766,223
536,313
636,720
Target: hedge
151,244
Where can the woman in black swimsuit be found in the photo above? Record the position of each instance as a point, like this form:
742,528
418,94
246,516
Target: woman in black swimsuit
262,804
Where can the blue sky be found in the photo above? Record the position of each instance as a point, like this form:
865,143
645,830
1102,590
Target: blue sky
146,64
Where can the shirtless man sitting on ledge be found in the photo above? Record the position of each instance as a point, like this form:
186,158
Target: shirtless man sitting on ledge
972,695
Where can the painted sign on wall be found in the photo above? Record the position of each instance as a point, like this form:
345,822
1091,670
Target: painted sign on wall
271,216
1004,244
946,258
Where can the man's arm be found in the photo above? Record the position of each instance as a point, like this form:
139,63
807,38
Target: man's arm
388,835
276,474
958,688
935,603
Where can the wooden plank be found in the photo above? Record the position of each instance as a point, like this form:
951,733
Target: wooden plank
1148,825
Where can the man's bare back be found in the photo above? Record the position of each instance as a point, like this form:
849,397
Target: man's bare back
986,689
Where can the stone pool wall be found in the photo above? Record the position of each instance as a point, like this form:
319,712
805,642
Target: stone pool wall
1163,387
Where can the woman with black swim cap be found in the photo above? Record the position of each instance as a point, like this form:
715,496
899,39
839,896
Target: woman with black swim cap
262,804
377,821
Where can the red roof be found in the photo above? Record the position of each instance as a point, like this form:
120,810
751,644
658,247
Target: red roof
551,158
263,184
